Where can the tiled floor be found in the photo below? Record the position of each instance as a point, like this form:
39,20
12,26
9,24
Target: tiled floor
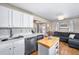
64,50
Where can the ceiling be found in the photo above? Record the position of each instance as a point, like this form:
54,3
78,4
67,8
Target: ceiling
51,11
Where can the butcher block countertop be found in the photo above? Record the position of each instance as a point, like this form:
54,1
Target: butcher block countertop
48,42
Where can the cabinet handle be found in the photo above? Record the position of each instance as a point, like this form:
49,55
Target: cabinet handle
13,47
10,48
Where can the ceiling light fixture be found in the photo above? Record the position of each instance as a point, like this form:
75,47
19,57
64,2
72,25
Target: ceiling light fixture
61,17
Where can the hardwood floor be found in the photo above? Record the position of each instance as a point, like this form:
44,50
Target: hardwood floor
64,49
35,53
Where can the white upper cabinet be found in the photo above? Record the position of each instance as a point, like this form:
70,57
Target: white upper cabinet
25,20
16,19
13,18
30,21
4,16
21,19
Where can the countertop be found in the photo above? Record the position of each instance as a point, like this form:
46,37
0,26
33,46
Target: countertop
48,42
26,35
32,35
11,39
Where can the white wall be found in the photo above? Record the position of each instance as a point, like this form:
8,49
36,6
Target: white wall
73,27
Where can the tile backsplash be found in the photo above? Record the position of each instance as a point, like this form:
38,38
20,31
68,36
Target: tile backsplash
28,30
21,30
14,31
4,32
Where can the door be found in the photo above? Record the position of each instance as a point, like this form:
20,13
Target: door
6,49
4,16
19,47
16,19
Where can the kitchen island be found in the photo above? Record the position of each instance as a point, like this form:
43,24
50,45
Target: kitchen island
48,46
18,44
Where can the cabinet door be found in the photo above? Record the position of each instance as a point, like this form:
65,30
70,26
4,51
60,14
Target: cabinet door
25,20
6,49
16,16
21,20
4,17
19,47
30,21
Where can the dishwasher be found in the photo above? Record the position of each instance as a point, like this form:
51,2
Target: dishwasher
30,45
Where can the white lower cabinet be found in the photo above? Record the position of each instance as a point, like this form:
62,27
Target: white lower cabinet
6,49
12,48
53,50
42,50
18,47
